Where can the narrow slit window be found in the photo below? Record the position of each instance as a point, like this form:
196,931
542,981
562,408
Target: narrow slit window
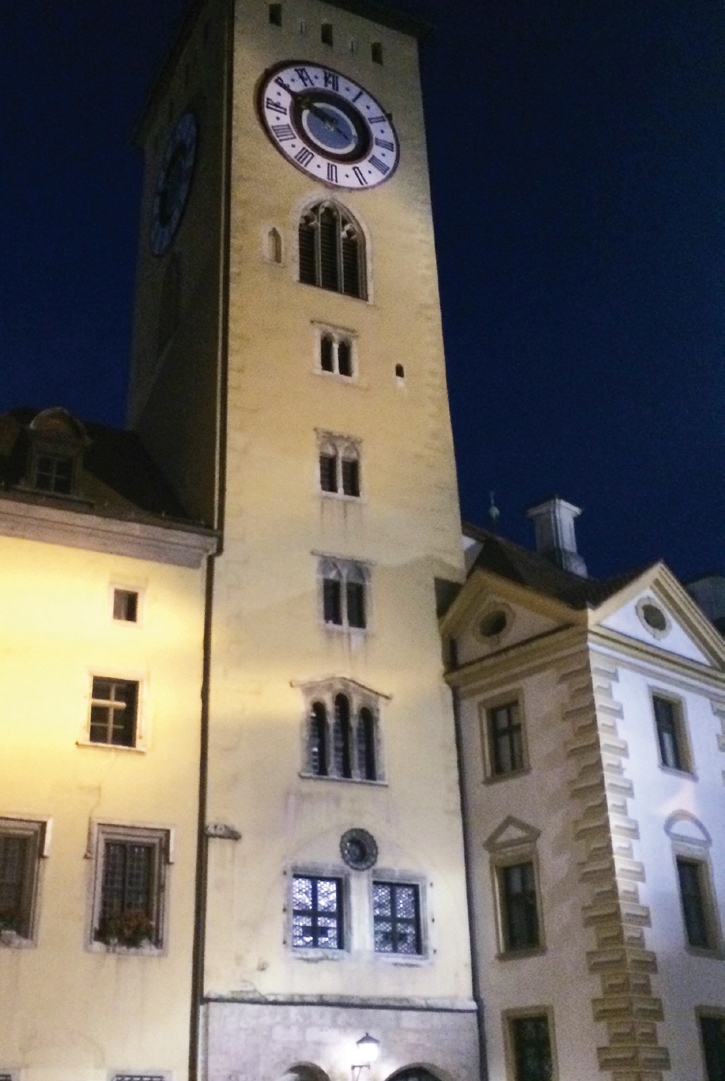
376,52
275,14
342,737
366,745
326,34
318,740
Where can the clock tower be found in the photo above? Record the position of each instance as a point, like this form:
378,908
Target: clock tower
288,377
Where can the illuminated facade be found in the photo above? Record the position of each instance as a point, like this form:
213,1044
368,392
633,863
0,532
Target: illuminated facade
231,820
593,729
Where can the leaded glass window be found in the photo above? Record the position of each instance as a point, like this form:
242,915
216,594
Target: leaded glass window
396,918
505,739
531,1048
519,909
317,913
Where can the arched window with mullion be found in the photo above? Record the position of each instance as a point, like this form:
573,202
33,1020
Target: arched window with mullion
365,740
341,738
317,744
332,251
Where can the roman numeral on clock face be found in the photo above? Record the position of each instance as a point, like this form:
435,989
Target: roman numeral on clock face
377,120
379,165
283,132
359,176
333,80
276,107
304,156
304,76
385,144
332,172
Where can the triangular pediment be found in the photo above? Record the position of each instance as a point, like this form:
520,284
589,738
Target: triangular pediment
512,833
657,611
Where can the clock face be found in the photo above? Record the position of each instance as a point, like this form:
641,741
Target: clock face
174,183
328,126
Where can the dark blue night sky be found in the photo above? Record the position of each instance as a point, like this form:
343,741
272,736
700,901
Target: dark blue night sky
578,168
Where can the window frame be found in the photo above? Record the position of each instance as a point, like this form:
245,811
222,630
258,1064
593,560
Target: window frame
348,573
126,587
35,831
508,1020
486,711
398,880
160,841
360,698
505,854
138,743
309,226
697,856
344,922
709,1013
344,448
338,336
680,732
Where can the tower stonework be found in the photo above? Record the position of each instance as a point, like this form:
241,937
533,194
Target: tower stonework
288,377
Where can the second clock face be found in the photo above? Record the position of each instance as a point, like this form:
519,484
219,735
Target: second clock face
328,126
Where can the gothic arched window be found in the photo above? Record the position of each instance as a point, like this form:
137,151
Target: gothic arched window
332,251
341,731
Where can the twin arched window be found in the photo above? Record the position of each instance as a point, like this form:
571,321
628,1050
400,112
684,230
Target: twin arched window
332,251
342,739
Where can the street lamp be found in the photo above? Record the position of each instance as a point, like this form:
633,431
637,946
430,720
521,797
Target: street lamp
367,1051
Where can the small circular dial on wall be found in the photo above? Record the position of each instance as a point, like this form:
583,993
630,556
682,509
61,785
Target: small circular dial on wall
328,125
174,182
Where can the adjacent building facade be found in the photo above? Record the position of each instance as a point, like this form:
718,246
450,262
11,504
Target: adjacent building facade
254,819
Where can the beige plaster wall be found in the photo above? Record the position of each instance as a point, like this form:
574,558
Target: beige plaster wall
69,1012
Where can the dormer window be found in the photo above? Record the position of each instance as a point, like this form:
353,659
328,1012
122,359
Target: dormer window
56,444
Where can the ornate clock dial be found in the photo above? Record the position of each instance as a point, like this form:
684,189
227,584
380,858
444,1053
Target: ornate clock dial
174,183
328,125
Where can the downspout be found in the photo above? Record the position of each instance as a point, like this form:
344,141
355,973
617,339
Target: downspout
197,1070
472,927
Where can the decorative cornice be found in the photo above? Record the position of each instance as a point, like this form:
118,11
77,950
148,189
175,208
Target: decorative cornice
178,545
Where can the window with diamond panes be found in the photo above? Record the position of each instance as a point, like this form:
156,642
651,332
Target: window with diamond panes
531,1047
129,909
505,739
396,918
20,844
332,251
317,913
114,708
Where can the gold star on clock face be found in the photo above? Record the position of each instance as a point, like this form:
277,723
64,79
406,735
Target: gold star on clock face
328,126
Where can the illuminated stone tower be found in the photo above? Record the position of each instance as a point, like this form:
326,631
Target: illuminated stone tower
289,379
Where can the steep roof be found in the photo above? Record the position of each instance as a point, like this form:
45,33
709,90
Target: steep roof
536,572
117,478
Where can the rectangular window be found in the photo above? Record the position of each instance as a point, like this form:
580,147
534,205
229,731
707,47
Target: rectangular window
317,913
130,876
54,473
344,601
125,605
694,895
20,851
114,709
326,34
275,14
339,459
505,739
376,52
670,733
712,1033
396,918
530,1045
519,906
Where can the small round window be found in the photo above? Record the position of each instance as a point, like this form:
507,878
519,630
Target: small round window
358,849
653,617
493,623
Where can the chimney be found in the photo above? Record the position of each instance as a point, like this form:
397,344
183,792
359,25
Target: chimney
555,533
